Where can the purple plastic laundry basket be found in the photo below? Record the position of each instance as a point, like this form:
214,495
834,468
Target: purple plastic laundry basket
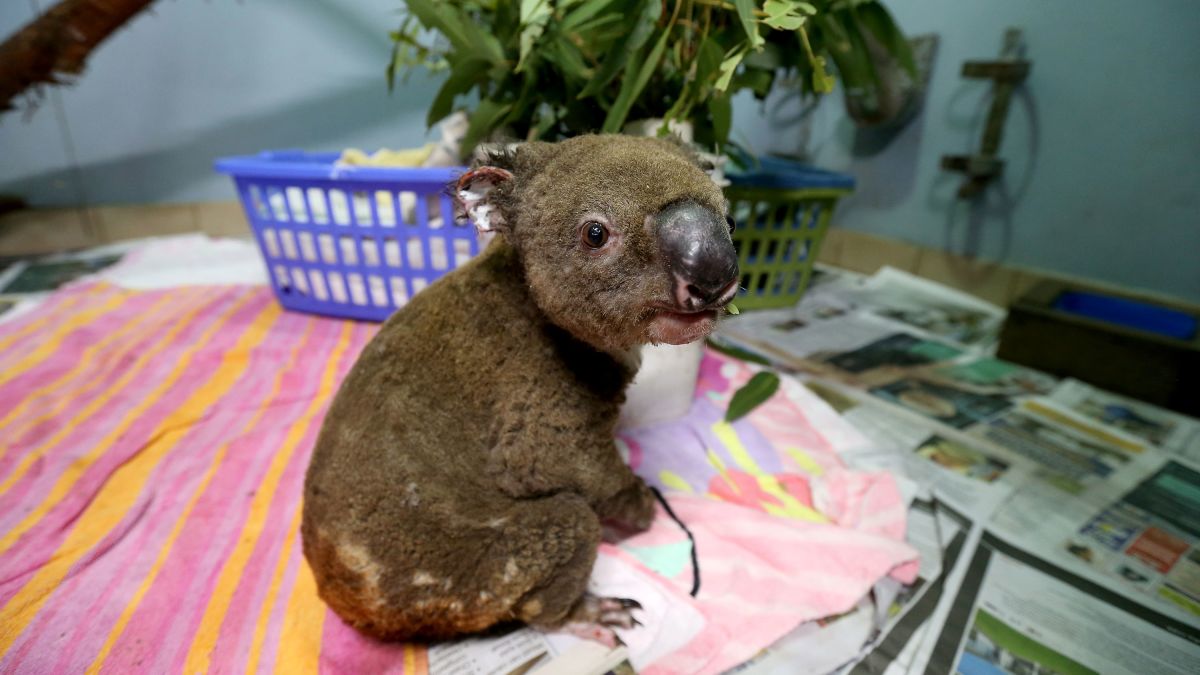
350,242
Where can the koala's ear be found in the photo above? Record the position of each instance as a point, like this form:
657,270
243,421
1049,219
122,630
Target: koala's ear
482,191
475,195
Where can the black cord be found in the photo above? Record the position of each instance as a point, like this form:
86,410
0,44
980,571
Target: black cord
695,560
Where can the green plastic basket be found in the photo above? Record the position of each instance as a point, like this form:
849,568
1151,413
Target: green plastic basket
779,231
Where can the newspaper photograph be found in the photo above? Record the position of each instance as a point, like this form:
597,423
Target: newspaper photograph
1175,433
897,350
992,376
1150,538
962,459
958,469
842,313
794,335
1017,613
1071,456
948,405
931,308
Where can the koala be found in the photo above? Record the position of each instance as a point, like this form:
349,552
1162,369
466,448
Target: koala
467,462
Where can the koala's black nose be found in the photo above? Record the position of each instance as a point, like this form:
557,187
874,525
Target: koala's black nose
695,242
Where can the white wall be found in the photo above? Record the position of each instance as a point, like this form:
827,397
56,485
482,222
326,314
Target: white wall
1102,144
195,80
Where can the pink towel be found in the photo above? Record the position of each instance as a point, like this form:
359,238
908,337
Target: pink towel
153,446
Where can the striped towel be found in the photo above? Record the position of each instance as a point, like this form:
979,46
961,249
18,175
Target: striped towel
152,451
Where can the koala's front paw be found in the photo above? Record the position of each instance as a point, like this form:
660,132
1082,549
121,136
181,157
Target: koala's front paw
633,507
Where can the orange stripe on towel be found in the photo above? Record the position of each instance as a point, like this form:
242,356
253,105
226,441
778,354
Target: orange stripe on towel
303,626
205,640
54,315
80,465
268,606
50,346
218,458
85,361
122,490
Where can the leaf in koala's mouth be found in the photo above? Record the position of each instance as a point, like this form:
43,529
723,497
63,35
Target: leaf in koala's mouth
732,309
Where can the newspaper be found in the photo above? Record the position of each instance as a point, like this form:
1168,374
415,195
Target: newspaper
1079,510
879,315
514,652
1173,433
1149,539
930,308
959,470
1014,612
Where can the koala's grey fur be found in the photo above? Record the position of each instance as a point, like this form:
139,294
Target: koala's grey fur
464,467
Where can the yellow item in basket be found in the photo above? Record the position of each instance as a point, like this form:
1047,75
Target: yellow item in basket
385,157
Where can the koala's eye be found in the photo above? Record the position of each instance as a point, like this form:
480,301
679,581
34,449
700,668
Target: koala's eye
729,221
595,234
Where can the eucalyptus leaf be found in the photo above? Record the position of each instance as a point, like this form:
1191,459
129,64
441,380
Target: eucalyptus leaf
458,28
708,59
569,60
484,120
534,16
770,57
728,66
857,57
745,12
592,27
720,109
822,81
580,16
632,87
639,27
754,393
778,7
462,77
785,22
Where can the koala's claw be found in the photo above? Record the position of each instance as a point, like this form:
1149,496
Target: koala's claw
597,618
626,603
622,619
606,612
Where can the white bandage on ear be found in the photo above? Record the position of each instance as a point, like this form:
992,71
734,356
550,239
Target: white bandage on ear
472,193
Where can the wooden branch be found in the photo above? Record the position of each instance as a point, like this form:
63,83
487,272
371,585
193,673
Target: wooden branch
58,43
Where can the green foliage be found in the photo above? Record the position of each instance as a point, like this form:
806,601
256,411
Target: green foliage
548,69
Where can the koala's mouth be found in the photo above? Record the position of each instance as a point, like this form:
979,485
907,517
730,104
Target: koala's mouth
690,318
678,328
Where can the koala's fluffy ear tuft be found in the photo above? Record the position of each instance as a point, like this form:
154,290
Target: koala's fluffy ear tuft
483,191
472,193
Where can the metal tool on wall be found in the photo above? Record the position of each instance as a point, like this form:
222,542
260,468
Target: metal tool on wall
1006,72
